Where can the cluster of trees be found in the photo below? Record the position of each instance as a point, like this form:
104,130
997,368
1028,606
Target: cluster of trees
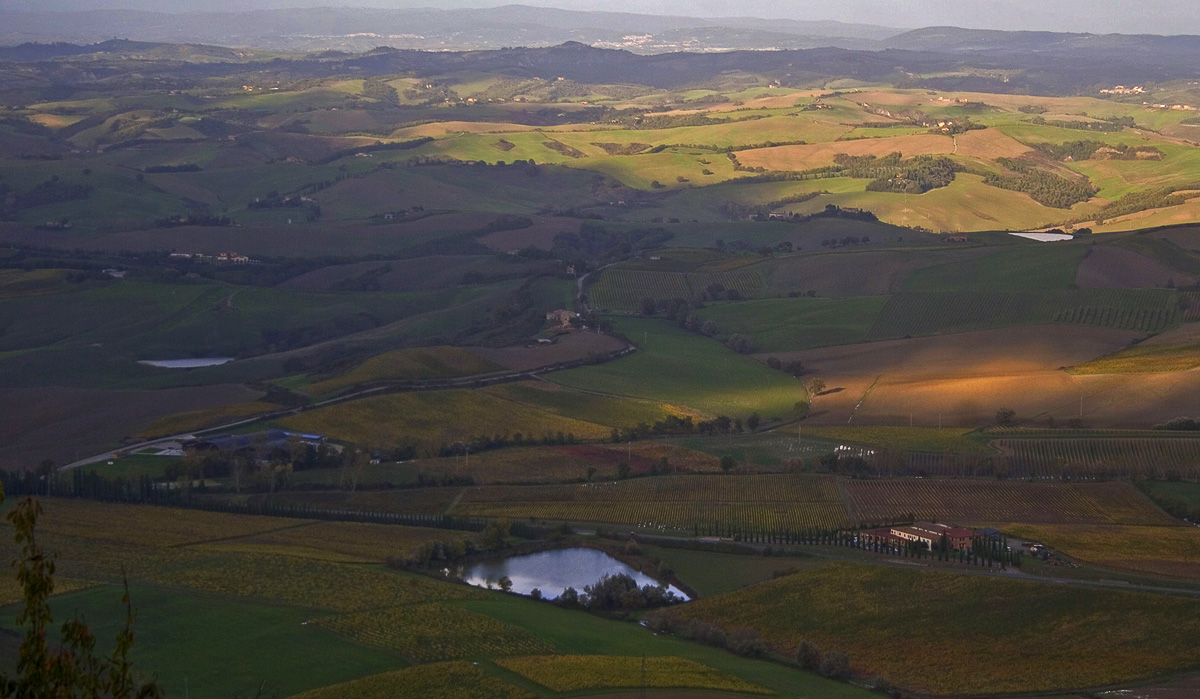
485,442
795,367
1044,187
375,147
744,642
192,220
376,89
1143,200
494,537
1108,124
845,241
595,242
617,593
834,665
1085,150
185,167
913,176
51,191
735,209
1180,424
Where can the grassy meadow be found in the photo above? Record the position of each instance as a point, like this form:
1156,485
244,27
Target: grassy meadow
688,370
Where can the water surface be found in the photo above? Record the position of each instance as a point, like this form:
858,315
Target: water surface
192,363
554,571
1045,237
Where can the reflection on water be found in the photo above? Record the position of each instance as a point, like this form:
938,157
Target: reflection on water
186,363
551,572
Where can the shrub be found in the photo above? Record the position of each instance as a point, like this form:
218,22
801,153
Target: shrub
835,666
747,643
808,656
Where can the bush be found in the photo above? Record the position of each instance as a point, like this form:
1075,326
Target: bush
704,632
835,666
747,643
808,656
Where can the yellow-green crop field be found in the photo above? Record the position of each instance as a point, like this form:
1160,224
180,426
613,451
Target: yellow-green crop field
1144,359
1169,551
946,633
348,542
419,363
769,502
433,418
566,673
431,632
453,680
148,525
200,419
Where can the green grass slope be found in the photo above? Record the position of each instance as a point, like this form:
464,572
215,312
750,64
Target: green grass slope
683,368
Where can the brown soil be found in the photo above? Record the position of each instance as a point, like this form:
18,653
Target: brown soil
576,345
66,424
1110,267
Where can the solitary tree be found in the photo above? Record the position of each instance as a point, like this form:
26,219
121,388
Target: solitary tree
1005,416
816,386
728,463
753,421
74,669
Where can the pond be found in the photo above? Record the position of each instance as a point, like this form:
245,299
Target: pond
554,571
192,363
1045,237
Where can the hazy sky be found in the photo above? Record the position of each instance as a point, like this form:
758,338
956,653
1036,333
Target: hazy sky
1128,16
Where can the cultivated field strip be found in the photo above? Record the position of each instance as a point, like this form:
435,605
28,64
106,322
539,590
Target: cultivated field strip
625,289
792,502
981,501
1111,456
930,313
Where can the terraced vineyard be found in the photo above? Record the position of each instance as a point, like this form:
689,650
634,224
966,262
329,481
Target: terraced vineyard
931,313
624,289
771,502
970,502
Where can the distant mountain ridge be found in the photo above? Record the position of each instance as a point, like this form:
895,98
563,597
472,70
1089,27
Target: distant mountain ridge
358,29
959,40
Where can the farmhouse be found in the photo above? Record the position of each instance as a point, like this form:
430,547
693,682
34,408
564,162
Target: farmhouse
259,442
930,534
232,258
561,318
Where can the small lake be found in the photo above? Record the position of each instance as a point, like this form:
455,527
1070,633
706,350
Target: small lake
554,571
1045,237
193,363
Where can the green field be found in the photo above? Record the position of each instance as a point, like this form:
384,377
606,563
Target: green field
231,647
686,369
933,313
1018,268
780,325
